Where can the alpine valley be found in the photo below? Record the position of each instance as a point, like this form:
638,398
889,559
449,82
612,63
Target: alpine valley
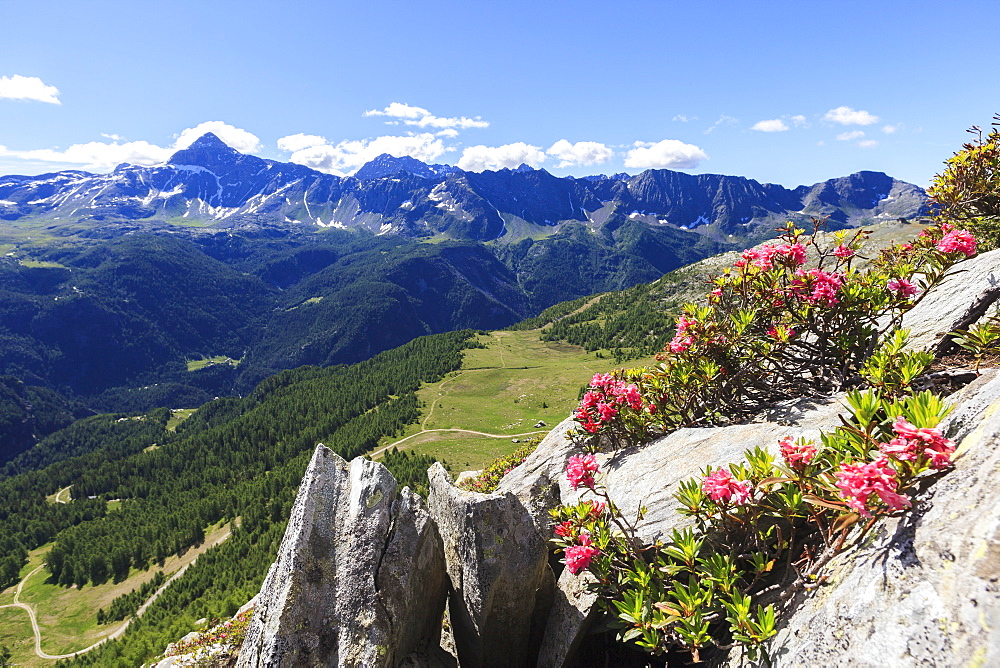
173,284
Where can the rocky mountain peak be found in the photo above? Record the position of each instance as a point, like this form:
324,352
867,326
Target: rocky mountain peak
387,165
206,151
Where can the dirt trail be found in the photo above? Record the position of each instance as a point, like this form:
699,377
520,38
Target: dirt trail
114,634
461,431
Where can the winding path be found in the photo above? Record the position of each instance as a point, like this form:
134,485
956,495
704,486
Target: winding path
441,393
117,633
462,431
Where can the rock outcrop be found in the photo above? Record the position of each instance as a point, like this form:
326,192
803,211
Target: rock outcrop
359,579
962,298
497,563
925,589
362,573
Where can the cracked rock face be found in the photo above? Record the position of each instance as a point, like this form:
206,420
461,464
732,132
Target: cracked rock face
961,299
498,567
924,590
359,579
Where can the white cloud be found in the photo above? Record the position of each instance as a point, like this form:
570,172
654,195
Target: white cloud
666,154
867,143
773,125
848,116
580,153
480,158
848,136
298,142
889,129
347,157
104,156
17,87
684,119
400,110
422,118
724,119
798,120
101,156
449,132
241,140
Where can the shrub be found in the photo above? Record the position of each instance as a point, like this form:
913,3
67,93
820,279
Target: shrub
490,477
788,319
967,192
775,326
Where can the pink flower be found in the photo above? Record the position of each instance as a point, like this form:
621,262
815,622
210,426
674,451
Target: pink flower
606,411
565,529
919,444
715,295
578,557
857,482
602,380
902,287
580,470
843,252
957,241
596,509
905,247
605,400
796,455
781,333
722,487
822,286
796,253
681,343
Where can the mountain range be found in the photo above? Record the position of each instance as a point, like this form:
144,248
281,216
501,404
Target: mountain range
171,284
210,183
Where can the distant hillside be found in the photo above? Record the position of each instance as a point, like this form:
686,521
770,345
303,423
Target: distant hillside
172,284
638,321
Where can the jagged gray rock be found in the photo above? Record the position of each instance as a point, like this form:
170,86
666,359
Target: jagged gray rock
573,610
498,568
649,476
960,300
925,589
359,579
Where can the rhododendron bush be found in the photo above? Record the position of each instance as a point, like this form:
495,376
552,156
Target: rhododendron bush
762,530
789,319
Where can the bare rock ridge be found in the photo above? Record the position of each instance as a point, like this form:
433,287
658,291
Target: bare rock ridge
359,579
363,571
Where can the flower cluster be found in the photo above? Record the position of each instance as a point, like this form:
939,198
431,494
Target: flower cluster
213,644
791,254
921,445
580,470
579,556
857,482
902,287
817,286
604,400
683,339
957,241
722,487
796,454
843,252
490,477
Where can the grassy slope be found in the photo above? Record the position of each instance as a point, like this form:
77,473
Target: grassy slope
500,389
67,616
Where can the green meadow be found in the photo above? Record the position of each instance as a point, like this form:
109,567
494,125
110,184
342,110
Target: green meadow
502,389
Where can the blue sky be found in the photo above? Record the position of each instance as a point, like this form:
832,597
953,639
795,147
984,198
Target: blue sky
784,92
